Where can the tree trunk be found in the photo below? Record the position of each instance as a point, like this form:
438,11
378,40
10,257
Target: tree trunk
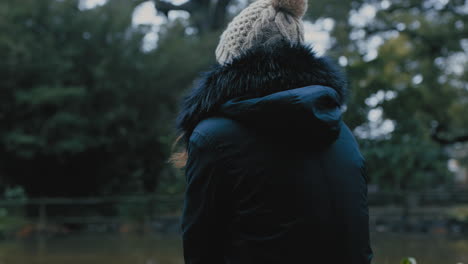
205,15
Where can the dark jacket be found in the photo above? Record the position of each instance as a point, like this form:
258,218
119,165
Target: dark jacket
274,175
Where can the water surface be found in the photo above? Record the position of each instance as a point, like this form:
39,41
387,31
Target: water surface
165,249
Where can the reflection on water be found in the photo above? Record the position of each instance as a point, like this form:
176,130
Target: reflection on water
118,249
426,249
95,249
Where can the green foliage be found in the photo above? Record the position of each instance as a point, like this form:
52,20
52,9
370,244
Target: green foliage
12,218
83,110
133,212
408,261
414,67
459,213
396,164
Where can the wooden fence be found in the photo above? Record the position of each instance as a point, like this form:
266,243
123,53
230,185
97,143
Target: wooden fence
419,198
155,211
104,213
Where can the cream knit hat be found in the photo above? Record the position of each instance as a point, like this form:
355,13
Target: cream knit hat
262,22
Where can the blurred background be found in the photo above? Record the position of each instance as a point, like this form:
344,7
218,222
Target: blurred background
89,90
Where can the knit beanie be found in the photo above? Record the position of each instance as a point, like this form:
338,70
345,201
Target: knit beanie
263,22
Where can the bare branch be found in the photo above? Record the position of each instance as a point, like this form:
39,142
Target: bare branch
164,7
219,14
206,15
436,136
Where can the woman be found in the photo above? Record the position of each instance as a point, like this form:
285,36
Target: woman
273,174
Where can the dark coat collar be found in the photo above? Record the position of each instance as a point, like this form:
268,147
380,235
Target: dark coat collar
256,73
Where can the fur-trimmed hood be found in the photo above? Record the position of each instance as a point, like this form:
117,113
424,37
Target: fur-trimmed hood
258,73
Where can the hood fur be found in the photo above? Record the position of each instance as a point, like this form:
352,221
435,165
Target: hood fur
256,73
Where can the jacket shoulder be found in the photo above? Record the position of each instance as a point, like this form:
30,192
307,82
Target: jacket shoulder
219,129
345,150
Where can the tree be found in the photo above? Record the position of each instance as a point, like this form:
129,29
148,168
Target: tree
418,40
84,111
413,82
206,15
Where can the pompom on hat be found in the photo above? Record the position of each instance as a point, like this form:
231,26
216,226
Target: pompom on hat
263,22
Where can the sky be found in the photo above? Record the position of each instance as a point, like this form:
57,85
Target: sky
317,34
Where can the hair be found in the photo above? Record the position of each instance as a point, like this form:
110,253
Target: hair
178,158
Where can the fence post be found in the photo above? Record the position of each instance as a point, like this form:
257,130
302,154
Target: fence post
149,216
41,226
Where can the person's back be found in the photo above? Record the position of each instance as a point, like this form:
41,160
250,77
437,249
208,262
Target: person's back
274,175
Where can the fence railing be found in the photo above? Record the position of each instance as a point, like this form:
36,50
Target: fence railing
116,213
428,198
92,200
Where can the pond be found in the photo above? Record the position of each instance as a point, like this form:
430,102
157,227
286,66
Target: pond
146,249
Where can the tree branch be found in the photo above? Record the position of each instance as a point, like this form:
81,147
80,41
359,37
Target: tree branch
436,136
448,8
219,14
164,7
137,2
207,15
